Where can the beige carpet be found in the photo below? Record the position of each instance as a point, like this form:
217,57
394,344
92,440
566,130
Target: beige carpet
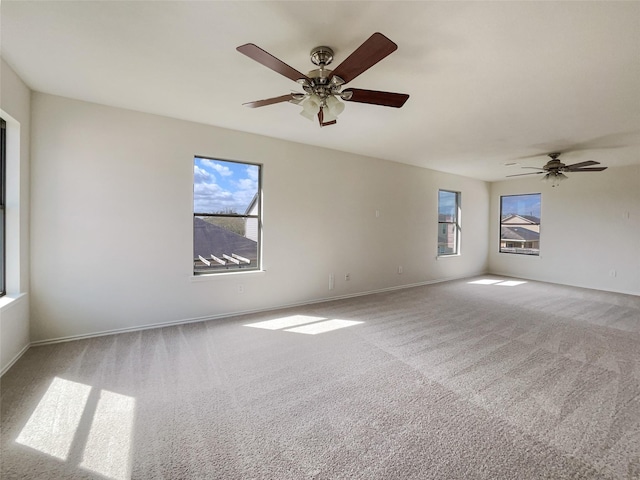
459,380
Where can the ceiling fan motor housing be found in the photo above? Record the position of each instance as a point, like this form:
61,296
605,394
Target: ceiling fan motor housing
554,165
321,56
320,81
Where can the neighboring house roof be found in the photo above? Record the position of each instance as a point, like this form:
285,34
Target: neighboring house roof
521,218
211,239
519,234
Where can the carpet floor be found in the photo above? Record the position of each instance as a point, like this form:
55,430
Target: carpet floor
482,378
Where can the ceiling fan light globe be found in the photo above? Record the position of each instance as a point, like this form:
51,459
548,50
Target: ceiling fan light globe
315,101
335,106
555,177
328,115
307,115
310,107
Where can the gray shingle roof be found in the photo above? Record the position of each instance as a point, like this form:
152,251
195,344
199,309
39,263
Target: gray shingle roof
531,218
518,233
211,239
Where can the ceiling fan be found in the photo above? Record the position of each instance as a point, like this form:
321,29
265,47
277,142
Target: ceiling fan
554,169
322,86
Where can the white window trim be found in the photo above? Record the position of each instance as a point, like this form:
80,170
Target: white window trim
458,224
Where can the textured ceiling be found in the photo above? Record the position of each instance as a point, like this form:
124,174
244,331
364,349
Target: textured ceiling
490,82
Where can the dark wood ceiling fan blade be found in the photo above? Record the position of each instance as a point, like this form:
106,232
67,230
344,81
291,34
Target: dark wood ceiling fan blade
374,49
521,174
386,99
268,101
588,163
265,58
322,122
590,169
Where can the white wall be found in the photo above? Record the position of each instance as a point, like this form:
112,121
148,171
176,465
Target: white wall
14,307
112,223
590,226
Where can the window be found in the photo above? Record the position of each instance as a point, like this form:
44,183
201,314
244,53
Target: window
3,185
448,222
226,216
520,224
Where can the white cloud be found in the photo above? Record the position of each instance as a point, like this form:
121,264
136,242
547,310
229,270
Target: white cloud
209,198
246,189
252,172
200,175
221,169
247,184
211,194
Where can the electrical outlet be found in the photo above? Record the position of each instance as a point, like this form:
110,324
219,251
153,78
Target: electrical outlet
399,269
332,281
240,289
613,273
347,277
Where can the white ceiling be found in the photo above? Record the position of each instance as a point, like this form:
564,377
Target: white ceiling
490,82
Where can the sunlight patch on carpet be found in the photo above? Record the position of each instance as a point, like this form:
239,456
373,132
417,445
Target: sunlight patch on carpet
501,283
484,281
510,283
53,428
108,448
284,322
306,324
53,424
322,327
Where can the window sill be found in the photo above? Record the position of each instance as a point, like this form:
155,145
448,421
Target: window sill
453,255
10,299
212,276
517,255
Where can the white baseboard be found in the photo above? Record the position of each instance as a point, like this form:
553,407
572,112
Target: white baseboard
186,321
575,285
15,359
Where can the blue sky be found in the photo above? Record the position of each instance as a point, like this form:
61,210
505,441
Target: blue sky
522,204
219,185
446,203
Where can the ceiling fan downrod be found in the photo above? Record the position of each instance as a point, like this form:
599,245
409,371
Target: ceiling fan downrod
320,82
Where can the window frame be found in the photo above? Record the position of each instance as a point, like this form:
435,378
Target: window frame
501,224
3,207
456,223
232,268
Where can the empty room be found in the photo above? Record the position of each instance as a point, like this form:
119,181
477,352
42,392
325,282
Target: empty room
376,240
